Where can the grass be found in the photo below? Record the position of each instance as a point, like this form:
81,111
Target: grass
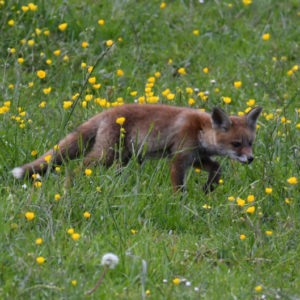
157,235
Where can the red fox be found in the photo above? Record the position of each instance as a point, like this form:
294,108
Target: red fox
189,137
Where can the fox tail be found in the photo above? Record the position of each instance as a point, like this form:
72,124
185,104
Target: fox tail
68,148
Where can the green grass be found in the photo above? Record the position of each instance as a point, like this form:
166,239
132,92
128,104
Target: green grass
136,215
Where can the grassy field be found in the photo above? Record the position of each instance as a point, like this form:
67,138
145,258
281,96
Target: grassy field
233,54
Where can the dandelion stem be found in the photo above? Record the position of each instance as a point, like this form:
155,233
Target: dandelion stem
98,282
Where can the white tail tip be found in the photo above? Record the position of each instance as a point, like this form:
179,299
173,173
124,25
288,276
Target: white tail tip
18,173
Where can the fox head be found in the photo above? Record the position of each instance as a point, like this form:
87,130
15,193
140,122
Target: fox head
235,135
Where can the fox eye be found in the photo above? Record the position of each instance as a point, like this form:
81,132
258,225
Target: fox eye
250,143
236,144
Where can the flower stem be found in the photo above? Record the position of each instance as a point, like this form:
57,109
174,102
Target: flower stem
98,282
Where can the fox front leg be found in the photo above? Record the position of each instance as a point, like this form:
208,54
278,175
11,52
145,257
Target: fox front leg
214,173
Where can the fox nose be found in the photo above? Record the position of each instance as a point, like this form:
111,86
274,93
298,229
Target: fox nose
250,159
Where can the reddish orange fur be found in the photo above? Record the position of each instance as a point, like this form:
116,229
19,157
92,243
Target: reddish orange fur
188,136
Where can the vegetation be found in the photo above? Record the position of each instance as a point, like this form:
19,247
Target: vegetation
62,62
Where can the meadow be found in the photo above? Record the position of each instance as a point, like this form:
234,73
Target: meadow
61,62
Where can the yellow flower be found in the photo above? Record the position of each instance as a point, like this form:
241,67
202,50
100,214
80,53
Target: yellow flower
170,61
292,180
67,104
176,281
170,96
250,198
30,43
205,70
295,68
251,209
12,50
41,74
32,6
268,190
20,60
74,282
157,74
46,32
39,241
57,197
197,170
63,26
47,90
48,61
258,288
181,71
120,72
47,158
83,65
88,97
266,36
189,90
11,22
120,120
92,80
148,292
31,84
196,32
230,198
85,44
57,169
90,69
40,260
247,2
192,101
34,153
242,236
269,232
287,201
251,102
42,104
70,231
133,93
38,31
163,5
101,22
37,184
227,100
109,43
237,84
240,202
87,215
75,236
57,52
88,172
97,86
25,8
29,215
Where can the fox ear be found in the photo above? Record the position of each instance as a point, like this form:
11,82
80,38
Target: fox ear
220,121
252,117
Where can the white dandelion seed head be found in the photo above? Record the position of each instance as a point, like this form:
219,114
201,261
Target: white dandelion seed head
24,186
109,260
165,281
196,289
196,90
188,283
213,81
